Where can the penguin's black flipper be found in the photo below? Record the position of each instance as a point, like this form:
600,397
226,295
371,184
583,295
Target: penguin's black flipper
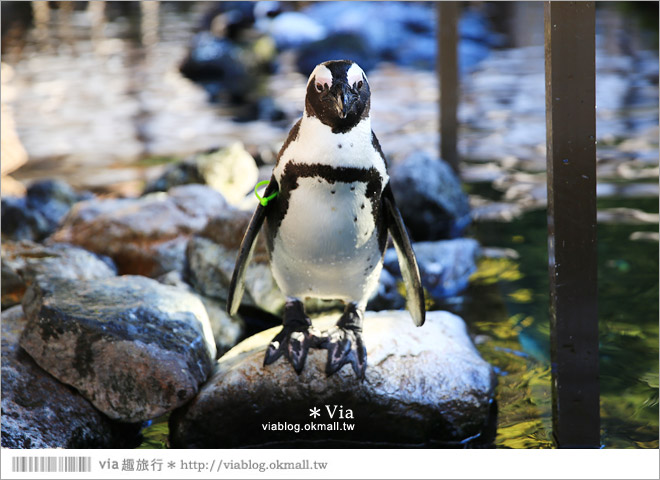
406,256
237,284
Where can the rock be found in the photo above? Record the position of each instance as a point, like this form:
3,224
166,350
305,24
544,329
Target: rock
144,236
445,266
12,151
232,171
645,237
335,46
38,214
212,256
395,32
11,187
227,70
423,386
227,330
133,347
40,412
430,197
626,216
387,297
23,262
287,29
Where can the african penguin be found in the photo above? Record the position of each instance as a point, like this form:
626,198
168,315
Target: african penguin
326,230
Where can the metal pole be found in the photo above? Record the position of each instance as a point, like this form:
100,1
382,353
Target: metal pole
447,66
571,162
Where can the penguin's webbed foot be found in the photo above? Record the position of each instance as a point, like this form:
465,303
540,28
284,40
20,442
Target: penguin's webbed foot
344,344
294,340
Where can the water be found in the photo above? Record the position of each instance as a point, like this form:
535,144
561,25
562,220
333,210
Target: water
507,310
102,106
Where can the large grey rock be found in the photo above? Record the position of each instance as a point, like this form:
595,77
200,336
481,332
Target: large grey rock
212,257
227,330
232,171
40,412
423,386
38,214
445,266
23,262
133,347
429,195
144,236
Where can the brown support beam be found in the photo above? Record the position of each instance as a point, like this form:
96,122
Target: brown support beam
447,66
571,162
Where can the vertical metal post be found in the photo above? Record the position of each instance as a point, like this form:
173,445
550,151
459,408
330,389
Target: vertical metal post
447,65
571,162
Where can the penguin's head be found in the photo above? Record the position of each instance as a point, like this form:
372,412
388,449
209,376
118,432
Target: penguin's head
338,95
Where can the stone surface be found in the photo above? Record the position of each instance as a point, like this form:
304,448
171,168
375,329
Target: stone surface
212,257
12,151
387,296
430,197
232,171
144,236
445,266
23,262
40,412
423,386
227,330
39,212
134,347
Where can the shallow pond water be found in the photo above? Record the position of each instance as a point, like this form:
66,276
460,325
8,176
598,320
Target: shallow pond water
507,310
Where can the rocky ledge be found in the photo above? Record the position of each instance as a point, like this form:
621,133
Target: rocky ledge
133,347
424,386
40,412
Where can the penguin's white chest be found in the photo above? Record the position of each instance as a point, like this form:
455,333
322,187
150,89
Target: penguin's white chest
327,243
327,221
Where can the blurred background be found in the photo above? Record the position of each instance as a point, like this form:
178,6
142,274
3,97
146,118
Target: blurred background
106,96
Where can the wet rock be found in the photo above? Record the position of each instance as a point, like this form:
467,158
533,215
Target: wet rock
485,210
430,197
627,190
626,216
445,266
645,237
232,171
212,256
423,386
338,45
395,32
12,152
133,347
288,29
40,412
38,214
144,236
227,330
23,262
387,296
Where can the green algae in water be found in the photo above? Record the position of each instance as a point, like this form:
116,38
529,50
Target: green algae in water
507,310
156,434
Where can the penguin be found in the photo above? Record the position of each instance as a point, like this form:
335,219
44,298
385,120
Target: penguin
327,226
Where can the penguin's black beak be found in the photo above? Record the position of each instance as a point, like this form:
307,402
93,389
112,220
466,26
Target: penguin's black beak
345,100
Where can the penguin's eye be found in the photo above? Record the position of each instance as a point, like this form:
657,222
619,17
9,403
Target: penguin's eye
319,87
358,85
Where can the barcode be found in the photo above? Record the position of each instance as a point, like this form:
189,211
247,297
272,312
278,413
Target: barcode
51,464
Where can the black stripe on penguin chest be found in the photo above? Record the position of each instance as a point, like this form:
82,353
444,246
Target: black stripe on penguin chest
289,182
